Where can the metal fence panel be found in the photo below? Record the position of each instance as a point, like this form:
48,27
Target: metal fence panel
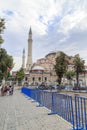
74,111
80,116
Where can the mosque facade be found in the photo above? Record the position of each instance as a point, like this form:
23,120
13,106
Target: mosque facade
42,71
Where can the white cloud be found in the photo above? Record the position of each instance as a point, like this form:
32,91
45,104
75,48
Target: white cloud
27,13
48,31
17,63
77,20
64,39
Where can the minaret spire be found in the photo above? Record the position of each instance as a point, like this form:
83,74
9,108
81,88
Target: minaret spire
23,59
29,58
30,31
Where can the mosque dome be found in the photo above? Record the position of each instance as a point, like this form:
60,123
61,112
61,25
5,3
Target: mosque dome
37,68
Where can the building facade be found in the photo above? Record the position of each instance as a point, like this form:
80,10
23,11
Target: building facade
42,71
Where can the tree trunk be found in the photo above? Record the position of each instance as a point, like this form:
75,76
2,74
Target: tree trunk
77,79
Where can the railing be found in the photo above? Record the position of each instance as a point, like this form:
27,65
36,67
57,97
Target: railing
72,110
62,105
80,116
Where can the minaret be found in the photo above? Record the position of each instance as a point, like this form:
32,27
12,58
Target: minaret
23,59
29,58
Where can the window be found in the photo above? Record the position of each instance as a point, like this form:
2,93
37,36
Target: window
26,78
39,78
45,78
33,78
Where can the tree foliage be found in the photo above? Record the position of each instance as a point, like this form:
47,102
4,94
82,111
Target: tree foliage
6,63
61,66
69,75
20,74
78,67
2,27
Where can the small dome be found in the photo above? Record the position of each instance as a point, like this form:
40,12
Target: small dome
26,72
37,68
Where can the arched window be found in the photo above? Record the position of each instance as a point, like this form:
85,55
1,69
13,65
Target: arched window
39,78
26,78
45,78
33,78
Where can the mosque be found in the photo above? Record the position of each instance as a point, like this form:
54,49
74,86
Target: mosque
42,71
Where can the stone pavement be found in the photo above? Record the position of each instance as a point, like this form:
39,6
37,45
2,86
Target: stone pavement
17,112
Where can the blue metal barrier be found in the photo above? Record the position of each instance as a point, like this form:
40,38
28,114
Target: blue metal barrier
46,99
72,110
26,91
58,103
62,105
80,116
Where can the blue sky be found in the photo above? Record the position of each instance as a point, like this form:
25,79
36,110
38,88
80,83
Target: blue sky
57,25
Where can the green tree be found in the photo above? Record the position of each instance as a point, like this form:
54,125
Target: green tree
69,75
20,74
2,27
60,67
78,67
6,64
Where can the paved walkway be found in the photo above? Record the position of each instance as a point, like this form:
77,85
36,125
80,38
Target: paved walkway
17,112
